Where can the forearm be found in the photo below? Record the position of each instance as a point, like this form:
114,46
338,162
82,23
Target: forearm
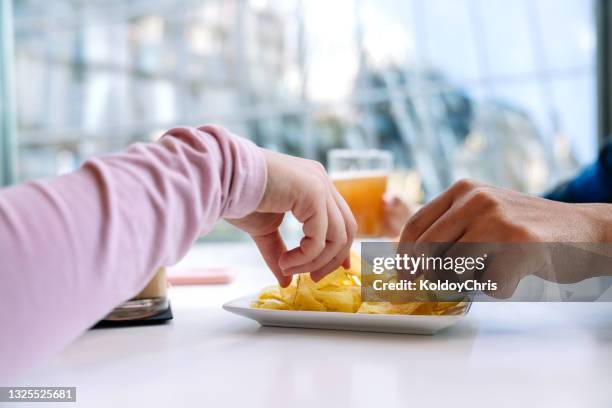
73,247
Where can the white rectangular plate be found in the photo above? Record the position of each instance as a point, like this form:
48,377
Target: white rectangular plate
408,324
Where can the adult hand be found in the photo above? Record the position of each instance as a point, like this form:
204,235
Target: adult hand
302,187
474,212
396,213
470,212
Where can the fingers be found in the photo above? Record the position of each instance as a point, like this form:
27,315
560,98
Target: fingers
303,187
441,221
422,220
335,240
331,266
271,246
449,227
312,213
327,241
343,255
429,214
350,225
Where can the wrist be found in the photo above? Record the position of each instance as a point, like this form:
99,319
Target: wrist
279,184
598,217
265,195
242,171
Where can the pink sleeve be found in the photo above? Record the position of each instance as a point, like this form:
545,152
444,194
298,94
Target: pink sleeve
73,247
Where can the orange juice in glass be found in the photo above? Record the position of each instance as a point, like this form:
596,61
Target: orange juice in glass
360,176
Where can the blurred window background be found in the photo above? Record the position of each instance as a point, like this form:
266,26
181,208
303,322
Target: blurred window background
503,91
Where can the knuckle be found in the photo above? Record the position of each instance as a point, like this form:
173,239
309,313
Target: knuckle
464,185
318,167
313,245
483,199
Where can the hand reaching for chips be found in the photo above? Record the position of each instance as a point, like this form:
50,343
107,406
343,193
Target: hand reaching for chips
340,291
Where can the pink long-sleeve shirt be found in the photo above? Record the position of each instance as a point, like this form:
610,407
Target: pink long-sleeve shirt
74,247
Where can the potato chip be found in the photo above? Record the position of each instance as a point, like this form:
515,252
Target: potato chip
340,291
388,308
274,304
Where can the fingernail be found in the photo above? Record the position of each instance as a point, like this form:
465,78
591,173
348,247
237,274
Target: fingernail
347,263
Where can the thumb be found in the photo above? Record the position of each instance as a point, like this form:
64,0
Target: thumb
271,246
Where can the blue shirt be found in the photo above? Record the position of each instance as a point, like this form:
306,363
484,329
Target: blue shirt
592,185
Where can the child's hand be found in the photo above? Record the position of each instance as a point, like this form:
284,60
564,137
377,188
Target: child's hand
302,187
396,213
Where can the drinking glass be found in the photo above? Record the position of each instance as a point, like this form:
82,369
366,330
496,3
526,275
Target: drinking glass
361,177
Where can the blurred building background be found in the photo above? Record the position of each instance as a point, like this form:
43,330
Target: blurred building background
499,90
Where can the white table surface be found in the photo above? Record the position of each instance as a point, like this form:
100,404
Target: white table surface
557,355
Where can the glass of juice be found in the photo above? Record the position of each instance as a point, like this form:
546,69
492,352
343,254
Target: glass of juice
361,178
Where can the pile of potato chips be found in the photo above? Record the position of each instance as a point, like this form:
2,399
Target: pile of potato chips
340,291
